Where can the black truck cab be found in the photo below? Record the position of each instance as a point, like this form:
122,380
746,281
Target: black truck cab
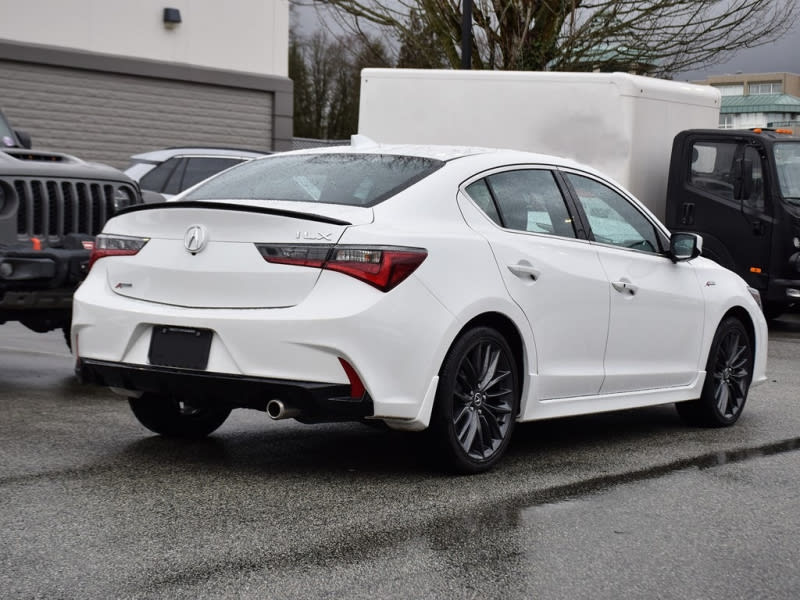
740,189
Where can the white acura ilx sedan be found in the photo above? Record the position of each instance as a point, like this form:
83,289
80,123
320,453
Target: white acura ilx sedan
458,290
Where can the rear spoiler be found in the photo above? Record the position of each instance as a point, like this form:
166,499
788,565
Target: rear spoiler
235,207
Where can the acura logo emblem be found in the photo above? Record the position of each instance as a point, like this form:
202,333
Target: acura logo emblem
195,239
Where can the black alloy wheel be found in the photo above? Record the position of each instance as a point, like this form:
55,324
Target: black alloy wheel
477,401
171,417
729,371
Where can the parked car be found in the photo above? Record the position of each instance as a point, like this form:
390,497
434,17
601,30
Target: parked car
51,206
455,289
173,170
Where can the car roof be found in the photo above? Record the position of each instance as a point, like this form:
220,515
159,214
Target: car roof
363,145
157,156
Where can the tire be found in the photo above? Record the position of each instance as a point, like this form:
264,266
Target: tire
477,401
773,310
170,417
67,330
729,371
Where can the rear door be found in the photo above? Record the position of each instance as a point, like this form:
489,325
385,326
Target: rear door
555,277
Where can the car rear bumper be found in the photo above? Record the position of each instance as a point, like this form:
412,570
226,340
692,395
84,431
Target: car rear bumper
313,401
273,351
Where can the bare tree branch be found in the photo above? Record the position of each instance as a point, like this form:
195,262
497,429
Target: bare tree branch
661,37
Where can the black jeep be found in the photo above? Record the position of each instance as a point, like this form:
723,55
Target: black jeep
51,207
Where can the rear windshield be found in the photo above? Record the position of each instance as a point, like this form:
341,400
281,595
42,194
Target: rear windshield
351,179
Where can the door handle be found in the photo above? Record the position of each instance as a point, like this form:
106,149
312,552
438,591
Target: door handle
524,271
625,287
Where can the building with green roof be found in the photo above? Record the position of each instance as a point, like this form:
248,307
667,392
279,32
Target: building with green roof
758,99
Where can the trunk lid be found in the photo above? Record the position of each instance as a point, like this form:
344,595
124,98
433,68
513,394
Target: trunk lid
223,269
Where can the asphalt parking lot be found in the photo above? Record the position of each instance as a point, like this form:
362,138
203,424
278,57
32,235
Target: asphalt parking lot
622,505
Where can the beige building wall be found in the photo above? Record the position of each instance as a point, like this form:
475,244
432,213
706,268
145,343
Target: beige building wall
790,81
241,35
105,79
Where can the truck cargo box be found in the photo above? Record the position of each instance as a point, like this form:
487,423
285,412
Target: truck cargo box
623,125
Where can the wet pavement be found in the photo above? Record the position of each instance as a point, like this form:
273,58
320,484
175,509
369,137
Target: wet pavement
622,505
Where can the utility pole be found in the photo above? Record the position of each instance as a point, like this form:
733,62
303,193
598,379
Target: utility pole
466,36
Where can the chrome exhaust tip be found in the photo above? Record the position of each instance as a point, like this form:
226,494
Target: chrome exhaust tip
277,410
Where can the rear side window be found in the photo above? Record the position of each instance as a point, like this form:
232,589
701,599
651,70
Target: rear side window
7,137
173,184
155,179
480,193
202,167
350,179
527,200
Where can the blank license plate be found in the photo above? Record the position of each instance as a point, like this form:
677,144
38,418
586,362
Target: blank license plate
182,347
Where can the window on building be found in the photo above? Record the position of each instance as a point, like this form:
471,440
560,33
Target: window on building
769,87
736,89
726,122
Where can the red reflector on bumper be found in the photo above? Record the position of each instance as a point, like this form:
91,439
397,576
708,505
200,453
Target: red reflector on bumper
356,385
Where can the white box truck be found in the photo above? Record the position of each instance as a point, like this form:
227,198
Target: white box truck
623,125
739,189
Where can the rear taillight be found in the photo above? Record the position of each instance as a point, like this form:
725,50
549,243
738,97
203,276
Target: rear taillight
383,267
107,244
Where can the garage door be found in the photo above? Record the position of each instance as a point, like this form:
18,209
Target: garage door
107,117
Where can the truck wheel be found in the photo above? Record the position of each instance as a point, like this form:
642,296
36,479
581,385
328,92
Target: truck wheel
170,417
773,310
729,371
476,402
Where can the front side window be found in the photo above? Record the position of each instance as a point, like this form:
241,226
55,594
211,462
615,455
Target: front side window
349,179
787,163
715,169
712,168
525,200
612,218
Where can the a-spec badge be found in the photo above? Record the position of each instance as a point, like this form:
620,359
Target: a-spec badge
195,239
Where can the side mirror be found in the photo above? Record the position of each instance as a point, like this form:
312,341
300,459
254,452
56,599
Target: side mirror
685,246
743,179
24,138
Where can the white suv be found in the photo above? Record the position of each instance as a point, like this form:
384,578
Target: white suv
172,170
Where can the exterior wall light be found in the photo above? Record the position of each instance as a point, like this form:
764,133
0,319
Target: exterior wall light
172,17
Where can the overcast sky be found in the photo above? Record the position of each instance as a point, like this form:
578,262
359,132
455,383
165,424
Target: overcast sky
783,55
